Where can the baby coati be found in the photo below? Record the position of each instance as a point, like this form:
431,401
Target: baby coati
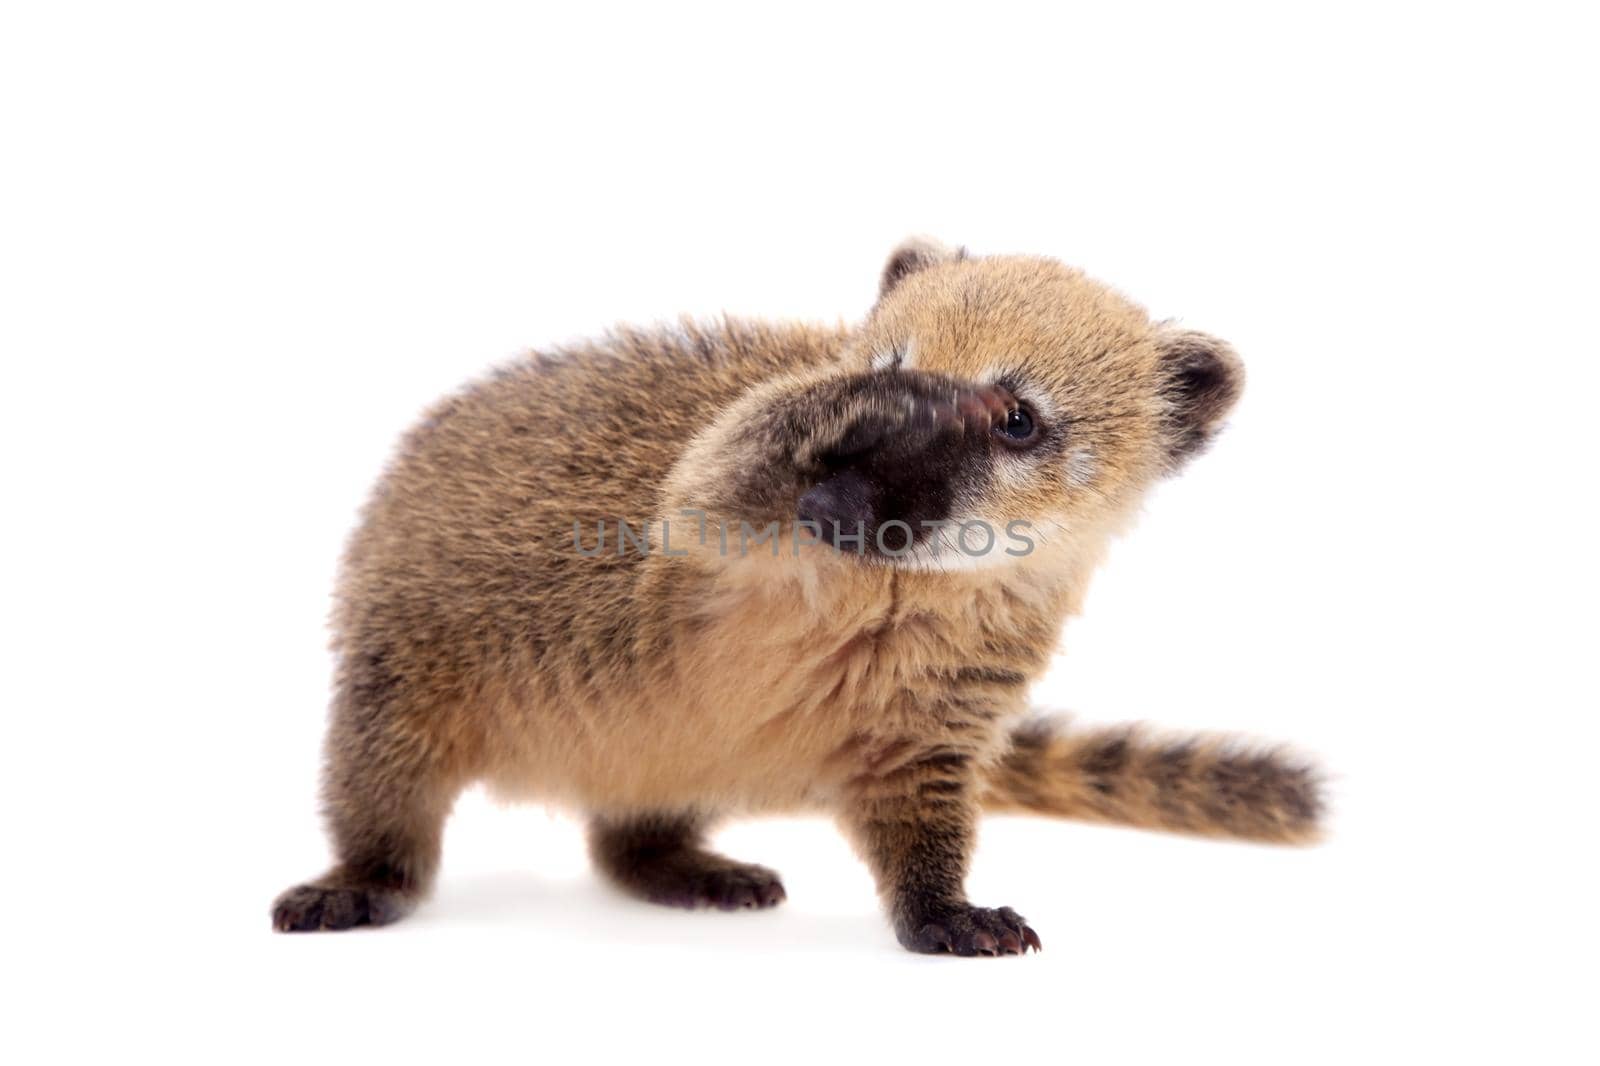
683,574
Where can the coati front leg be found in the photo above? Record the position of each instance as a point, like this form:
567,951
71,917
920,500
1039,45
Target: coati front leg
662,859
916,825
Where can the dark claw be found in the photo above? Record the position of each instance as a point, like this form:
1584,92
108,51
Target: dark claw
966,930
1019,924
736,897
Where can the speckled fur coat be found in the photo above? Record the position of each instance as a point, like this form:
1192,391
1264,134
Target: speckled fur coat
494,624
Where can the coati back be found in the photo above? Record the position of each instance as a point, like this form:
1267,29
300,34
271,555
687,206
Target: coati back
684,574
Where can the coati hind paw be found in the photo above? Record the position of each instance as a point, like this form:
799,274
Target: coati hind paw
314,907
730,887
658,858
968,930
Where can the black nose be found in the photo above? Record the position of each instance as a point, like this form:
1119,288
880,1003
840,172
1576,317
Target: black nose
843,506
915,441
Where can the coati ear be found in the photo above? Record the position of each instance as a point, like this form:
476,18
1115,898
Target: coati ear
914,254
1202,378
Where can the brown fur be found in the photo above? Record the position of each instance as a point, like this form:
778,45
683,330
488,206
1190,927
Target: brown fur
1210,786
657,691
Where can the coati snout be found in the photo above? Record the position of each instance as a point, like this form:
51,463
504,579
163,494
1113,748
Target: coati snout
925,441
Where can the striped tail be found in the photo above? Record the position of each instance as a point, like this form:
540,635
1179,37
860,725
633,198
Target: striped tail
1207,785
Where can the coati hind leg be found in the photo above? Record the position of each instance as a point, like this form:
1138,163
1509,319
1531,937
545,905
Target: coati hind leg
386,793
662,859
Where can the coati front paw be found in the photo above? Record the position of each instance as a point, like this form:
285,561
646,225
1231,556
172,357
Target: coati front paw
963,929
316,907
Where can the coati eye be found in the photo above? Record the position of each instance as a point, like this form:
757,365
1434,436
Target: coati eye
1019,427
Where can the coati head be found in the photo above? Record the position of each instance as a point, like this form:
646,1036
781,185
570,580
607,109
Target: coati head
1013,389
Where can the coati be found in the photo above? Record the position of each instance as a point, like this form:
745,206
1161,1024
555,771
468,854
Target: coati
798,608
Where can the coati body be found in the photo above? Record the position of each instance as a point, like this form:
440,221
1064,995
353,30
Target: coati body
487,633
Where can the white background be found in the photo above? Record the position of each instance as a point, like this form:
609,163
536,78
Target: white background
241,246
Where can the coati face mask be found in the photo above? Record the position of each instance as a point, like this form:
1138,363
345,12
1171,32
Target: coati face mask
1013,400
